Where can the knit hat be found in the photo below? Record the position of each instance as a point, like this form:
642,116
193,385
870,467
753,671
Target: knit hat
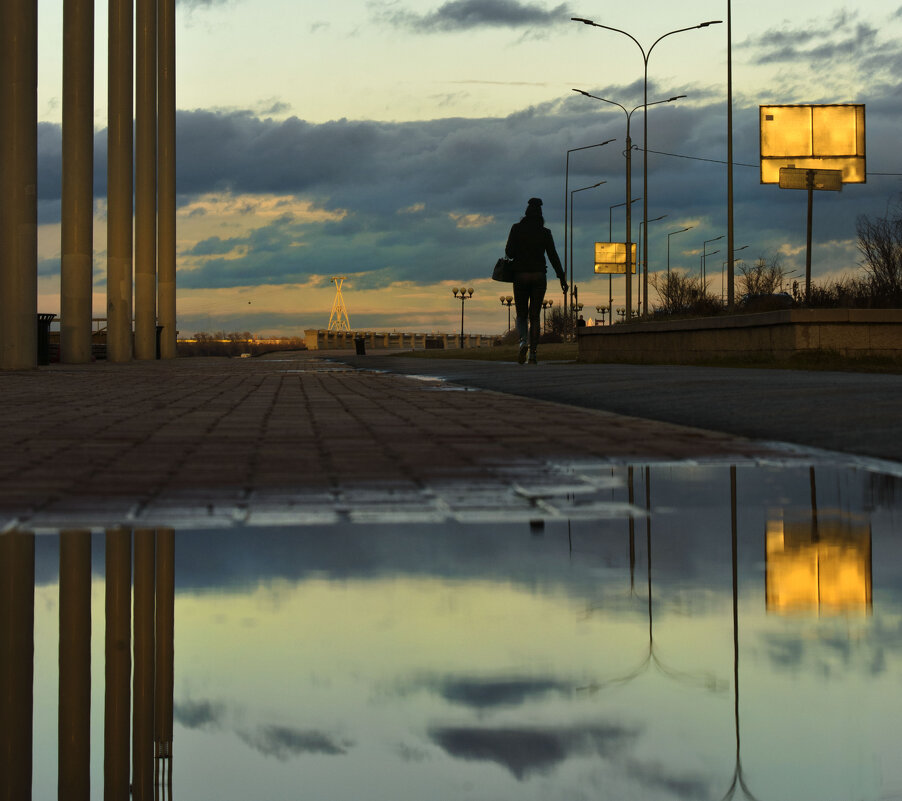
534,206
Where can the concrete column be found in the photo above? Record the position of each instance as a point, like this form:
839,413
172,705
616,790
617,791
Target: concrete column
120,139
118,665
77,240
165,635
143,675
166,236
74,778
146,180
16,664
18,182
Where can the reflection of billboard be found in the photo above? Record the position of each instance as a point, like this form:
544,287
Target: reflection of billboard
827,137
610,257
823,567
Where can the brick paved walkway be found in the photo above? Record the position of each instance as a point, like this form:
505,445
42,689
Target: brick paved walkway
299,439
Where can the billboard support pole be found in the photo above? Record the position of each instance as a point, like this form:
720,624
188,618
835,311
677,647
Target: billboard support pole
808,249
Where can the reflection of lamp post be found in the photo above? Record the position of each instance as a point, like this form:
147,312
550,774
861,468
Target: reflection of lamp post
643,261
507,300
602,310
668,245
546,304
646,104
566,185
705,255
462,295
629,177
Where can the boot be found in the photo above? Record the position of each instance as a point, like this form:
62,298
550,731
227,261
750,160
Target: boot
532,356
521,356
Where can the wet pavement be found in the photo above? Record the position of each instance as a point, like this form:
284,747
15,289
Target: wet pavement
299,437
721,632
397,578
855,413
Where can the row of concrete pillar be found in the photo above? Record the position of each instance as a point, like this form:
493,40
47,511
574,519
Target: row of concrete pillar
142,75
147,703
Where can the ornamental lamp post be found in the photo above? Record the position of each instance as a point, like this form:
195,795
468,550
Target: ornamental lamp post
462,295
546,304
507,300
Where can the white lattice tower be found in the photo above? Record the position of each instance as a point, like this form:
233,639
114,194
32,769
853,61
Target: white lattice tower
338,320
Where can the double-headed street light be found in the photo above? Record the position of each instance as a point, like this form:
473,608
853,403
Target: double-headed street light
673,233
546,304
645,56
566,196
629,181
462,295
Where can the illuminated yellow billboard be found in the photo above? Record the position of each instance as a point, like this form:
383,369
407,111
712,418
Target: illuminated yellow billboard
820,567
610,258
819,137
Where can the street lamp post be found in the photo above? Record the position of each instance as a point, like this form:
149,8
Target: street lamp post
645,57
705,255
572,282
610,237
462,295
629,182
731,262
643,262
507,300
602,310
566,187
672,233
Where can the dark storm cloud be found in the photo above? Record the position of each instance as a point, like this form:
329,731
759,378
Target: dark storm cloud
492,693
199,714
284,742
461,15
817,45
525,751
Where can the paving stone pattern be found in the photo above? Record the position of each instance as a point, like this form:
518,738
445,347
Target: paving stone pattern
303,439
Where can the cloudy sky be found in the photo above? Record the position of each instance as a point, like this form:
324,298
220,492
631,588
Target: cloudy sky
395,141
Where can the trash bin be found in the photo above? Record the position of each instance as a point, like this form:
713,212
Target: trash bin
360,345
44,321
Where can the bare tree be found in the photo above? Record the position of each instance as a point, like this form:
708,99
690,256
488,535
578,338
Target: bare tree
678,292
880,245
764,277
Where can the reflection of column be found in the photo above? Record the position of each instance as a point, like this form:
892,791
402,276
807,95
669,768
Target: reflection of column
119,182
146,180
166,222
77,240
165,625
142,718
18,179
75,666
16,661
118,664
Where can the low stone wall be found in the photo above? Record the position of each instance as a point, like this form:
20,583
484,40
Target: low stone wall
776,334
395,340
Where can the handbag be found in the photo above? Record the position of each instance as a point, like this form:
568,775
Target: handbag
504,270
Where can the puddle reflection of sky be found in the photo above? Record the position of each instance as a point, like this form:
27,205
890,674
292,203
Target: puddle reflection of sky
583,659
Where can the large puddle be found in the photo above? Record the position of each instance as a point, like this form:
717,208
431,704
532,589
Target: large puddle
723,633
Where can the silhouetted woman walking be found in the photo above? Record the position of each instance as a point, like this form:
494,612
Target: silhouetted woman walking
527,244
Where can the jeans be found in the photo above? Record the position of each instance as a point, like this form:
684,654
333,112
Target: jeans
529,292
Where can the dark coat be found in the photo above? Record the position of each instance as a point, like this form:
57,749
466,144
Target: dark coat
528,244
